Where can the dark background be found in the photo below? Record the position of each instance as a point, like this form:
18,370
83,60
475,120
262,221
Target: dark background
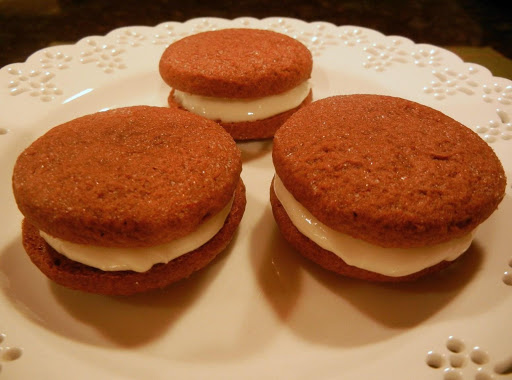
29,25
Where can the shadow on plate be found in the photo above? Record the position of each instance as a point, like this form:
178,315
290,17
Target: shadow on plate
277,273
325,308
109,321
254,149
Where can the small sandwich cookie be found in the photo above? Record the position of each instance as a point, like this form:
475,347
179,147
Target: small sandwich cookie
128,200
248,80
381,188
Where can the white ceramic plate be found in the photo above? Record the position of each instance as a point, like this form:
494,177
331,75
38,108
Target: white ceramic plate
259,311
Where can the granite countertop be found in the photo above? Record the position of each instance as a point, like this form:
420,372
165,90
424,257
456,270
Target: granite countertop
478,31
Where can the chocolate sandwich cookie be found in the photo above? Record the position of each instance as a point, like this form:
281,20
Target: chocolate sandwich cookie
381,188
248,80
129,200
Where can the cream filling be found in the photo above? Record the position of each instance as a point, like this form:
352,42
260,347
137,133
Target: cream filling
230,110
139,259
393,262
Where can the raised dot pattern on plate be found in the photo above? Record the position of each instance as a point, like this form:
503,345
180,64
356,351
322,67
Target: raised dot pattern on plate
107,57
7,353
459,362
36,83
381,55
507,276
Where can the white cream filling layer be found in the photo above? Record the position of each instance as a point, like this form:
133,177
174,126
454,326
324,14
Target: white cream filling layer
230,110
139,259
393,262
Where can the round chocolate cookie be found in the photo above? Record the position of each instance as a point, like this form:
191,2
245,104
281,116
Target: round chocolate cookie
127,178
238,64
387,171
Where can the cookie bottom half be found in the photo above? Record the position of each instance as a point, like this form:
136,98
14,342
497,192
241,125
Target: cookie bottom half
254,130
329,260
78,276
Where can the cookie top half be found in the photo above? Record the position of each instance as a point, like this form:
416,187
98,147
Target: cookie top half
128,177
236,63
387,170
